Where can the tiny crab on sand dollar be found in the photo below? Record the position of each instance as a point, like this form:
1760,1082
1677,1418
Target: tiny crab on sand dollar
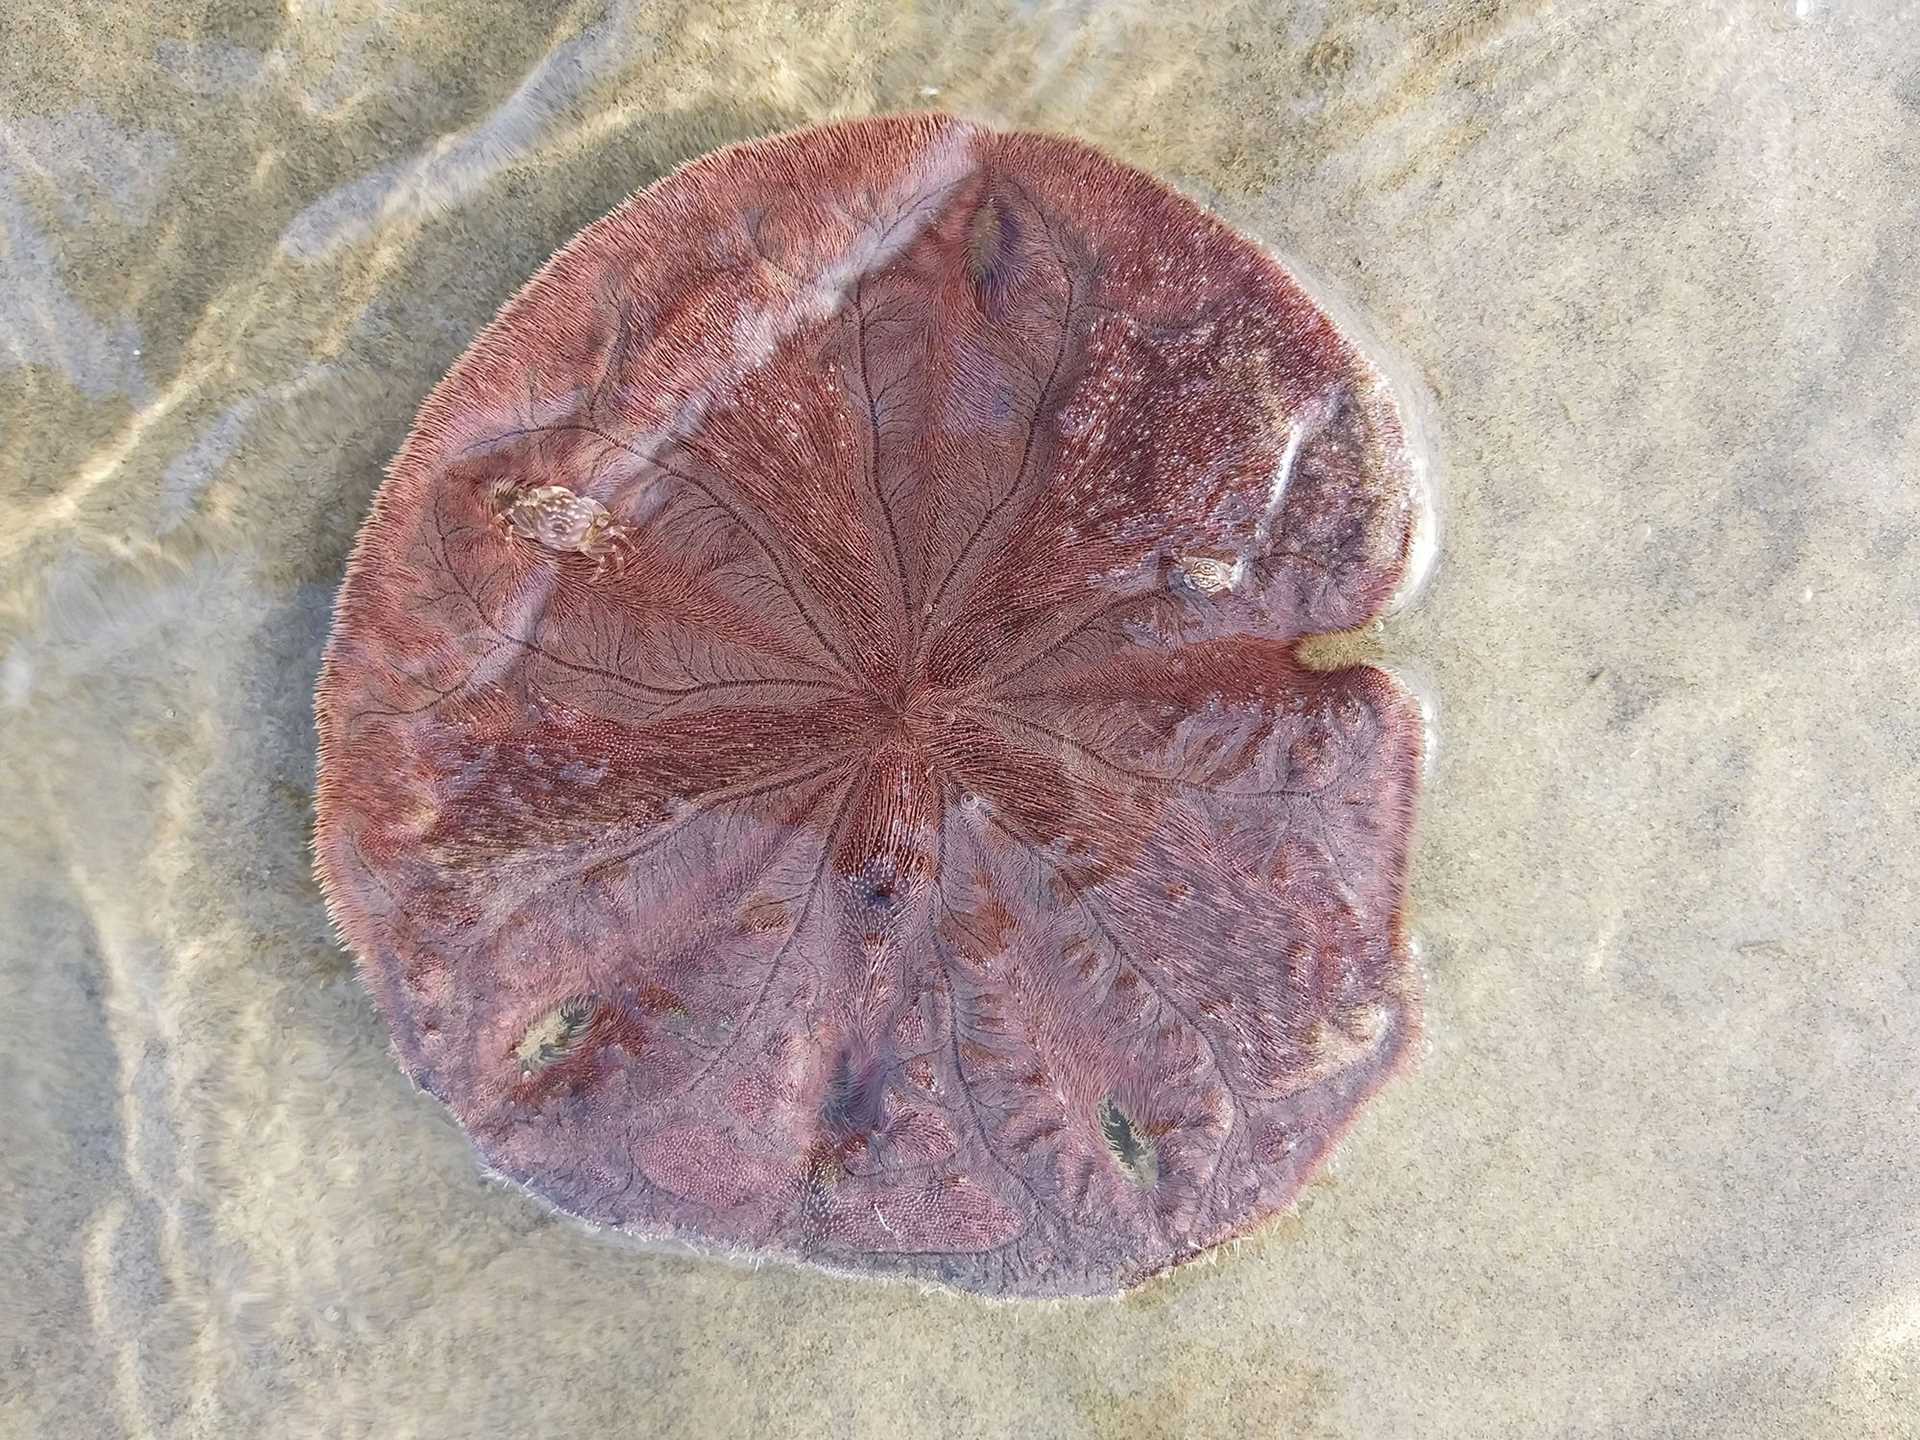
816,759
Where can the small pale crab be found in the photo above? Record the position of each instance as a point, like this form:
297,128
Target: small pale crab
563,520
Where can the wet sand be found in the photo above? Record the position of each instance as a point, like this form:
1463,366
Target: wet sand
1654,1170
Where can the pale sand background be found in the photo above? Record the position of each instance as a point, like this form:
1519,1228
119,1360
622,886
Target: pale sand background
1657,1170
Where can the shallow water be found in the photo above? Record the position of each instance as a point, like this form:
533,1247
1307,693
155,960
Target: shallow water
1654,1171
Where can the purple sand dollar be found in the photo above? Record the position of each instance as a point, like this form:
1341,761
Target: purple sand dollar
816,759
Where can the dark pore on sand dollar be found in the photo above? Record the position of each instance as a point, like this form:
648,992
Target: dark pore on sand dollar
816,755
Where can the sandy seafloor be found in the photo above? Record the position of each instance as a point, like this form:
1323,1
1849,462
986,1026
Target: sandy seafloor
1656,1169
